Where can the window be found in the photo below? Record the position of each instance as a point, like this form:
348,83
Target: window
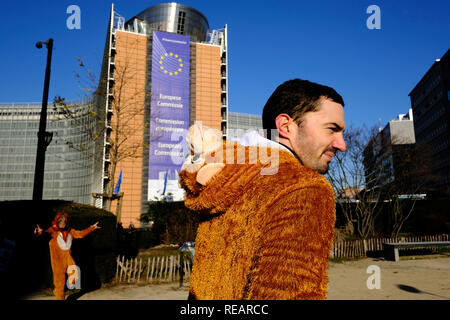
181,20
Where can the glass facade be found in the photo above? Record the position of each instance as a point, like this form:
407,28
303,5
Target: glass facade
69,157
239,123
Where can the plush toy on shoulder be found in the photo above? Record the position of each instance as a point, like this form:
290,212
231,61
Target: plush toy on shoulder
203,142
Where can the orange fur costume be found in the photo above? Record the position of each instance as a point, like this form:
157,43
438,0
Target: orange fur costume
60,254
262,236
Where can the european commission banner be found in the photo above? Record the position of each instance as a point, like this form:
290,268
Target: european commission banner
169,114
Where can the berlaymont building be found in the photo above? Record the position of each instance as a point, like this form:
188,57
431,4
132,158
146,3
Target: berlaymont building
162,71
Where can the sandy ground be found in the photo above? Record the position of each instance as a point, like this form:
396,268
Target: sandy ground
416,278
412,278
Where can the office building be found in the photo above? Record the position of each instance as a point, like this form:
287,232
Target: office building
163,70
431,108
69,157
386,153
239,123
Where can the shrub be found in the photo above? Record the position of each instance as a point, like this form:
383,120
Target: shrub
172,222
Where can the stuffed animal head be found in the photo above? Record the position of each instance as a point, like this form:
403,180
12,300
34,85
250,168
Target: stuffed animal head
203,141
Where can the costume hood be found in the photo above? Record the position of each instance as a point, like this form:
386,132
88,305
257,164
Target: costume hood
59,216
55,226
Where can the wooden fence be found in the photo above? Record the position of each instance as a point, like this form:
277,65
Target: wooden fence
154,270
359,248
167,268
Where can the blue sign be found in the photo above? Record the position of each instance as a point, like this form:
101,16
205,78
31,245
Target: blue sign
169,113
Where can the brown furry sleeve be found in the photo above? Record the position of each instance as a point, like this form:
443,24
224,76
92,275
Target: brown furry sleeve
292,259
77,234
50,231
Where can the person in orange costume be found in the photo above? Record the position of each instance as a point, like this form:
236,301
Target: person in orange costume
60,244
267,213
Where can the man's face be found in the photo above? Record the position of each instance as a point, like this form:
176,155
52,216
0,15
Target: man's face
320,136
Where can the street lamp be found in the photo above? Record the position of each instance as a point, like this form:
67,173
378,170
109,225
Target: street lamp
44,137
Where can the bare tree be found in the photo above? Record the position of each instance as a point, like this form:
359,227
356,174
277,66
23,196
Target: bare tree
379,171
128,106
411,176
82,113
348,174
126,101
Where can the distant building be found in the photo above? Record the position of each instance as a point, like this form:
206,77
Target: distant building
385,154
69,159
169,70
162,71
239,123
431,109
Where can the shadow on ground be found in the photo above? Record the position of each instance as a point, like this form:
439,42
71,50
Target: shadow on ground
415,290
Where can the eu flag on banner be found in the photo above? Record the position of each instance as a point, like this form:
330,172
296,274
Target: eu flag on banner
119,182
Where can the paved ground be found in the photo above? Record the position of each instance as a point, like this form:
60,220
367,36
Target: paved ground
418,278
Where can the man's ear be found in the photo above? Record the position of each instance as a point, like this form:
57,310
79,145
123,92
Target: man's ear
283,122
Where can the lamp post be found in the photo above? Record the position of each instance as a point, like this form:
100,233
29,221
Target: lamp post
44,137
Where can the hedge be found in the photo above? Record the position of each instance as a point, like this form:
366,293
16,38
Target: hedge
173,223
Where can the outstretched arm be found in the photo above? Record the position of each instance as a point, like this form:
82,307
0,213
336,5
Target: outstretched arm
77,234
292,260
38,231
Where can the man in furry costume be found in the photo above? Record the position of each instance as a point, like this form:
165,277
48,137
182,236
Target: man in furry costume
268,214
60,243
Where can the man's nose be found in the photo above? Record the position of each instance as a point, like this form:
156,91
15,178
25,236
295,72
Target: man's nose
339,143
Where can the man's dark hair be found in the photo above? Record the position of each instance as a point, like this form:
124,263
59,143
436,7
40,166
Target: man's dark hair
295,98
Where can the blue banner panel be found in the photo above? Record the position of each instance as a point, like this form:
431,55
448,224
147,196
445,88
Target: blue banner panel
169,114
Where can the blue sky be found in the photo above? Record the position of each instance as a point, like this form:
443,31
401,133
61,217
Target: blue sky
269,42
